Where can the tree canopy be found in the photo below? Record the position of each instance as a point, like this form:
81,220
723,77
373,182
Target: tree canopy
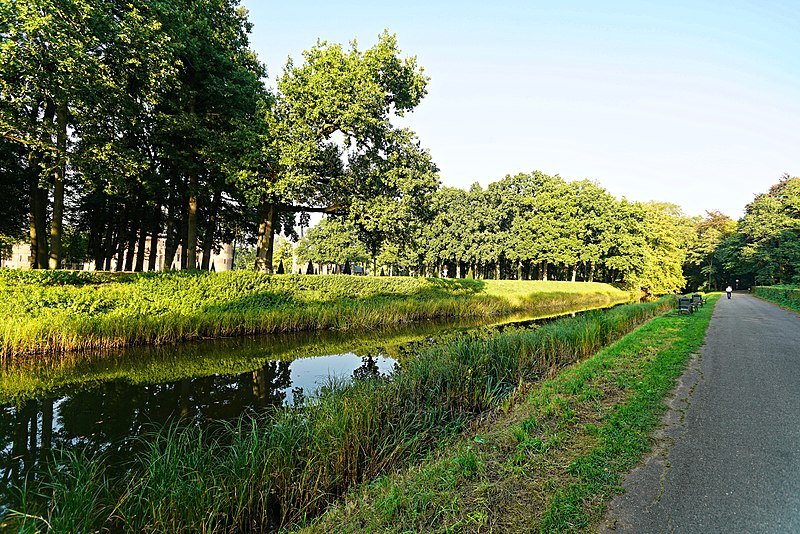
123,125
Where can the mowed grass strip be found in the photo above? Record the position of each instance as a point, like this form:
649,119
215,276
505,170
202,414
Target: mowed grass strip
550,458
56,311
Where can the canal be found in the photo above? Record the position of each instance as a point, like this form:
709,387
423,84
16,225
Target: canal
103,402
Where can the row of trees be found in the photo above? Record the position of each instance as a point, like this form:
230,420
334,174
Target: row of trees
152,119
538,226
762,248
524,226
124,121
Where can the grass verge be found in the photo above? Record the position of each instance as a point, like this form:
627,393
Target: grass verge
786,296
550,459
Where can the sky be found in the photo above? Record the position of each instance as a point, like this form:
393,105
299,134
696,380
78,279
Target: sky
694,103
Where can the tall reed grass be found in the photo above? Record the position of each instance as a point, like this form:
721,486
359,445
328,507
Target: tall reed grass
277,469
56,311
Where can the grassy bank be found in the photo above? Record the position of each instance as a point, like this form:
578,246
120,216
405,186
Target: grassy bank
55,311
548,461
287,466
786,296
38,376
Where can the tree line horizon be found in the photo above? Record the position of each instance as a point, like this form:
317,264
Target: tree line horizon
123,122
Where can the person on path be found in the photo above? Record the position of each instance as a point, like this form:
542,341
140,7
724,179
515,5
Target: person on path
729,290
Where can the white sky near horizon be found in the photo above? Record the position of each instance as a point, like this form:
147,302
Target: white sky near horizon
692,102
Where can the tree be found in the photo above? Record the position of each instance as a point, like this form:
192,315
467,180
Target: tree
447,236
49,63
539,224
331,145
770,235
625,244
703,267
333,241
216,92
668,233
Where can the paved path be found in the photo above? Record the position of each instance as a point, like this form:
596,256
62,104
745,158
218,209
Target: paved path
728,458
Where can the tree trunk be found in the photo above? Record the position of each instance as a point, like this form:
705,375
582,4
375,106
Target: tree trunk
458,269
37,214
191,224
38,197
171,245
140,249
574,272
211,227
182,240
109,249
266,215
590,278
497,269
130,246
56,225
38,218
544,270
189,251
153,256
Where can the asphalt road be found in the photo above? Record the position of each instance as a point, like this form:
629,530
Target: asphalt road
727,458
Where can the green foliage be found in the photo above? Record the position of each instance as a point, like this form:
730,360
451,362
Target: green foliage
764,249
333,241
704,267
13,174
771,234
244,259
284,251
788,296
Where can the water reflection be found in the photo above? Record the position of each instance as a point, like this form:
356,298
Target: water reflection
105,417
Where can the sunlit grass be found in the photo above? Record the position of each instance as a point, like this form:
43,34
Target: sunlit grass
55,311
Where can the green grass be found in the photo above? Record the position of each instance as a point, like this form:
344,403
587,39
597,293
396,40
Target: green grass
292,464
52,311
786,296
44,375
551,456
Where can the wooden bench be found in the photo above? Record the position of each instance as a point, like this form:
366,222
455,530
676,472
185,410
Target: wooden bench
698,300
685,305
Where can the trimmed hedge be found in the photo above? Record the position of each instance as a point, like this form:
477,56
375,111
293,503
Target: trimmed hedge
788,296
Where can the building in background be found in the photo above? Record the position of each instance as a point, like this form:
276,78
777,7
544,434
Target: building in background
20,258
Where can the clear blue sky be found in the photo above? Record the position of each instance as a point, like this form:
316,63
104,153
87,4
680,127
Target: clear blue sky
694,103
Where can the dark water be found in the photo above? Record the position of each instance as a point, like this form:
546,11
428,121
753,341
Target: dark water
98,401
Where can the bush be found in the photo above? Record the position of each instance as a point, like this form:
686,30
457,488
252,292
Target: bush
788,296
